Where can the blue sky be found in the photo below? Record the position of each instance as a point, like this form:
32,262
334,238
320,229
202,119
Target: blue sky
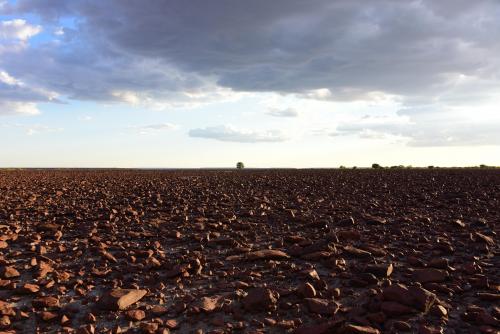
281,84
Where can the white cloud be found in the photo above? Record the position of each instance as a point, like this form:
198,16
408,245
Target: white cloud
85,118
229,133
153,128
288,112
32,129
7,79
18,107
18,29
38,128
18,98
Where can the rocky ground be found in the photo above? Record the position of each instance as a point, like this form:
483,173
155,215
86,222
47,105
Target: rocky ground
327,251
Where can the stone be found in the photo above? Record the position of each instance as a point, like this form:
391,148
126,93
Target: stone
159,310
380,270
417,297
120,299
346,222
401,326
209,304
354,329
260,299
356,252
266,254
48,316
135,315
29,289
321,306
48,301
306,290
394,309
484,238
428,275
10,272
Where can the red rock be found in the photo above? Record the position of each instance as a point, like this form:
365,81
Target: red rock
346,222
306,290
159,310
380,270
373,220
484,238
210,304
3,244
48,316
322,328
394,309
430,275
135,315
321,306
259,299
45,302
349,235
10,272
356,252
429,330
266,254
354,329
171,323
402,326
150,327
488,296
29,288
4,321
439,311
120,299
417,297
316,256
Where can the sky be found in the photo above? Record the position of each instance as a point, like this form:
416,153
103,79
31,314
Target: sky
282,83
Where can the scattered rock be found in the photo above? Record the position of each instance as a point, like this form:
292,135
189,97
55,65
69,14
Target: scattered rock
260,299
136,315
120,299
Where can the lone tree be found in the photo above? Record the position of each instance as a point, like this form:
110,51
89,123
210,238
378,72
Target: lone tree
240,165
377,166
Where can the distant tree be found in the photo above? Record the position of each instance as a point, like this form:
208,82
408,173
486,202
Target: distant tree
354,167
430,167
240,165
342,167
376,166
483,166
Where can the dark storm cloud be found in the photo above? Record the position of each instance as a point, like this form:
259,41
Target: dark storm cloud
352,48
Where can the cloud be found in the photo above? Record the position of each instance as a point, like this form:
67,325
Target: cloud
424,129
426,55
153,128
18,29
38,128
32,129
85,118
364,49
228,133
18,98
288,112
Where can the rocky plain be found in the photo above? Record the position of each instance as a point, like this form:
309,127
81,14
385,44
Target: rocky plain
250,251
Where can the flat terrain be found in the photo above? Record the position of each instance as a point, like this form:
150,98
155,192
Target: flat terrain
306,251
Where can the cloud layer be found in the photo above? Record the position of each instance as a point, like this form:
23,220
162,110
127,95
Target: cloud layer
425,54
349,49
229,133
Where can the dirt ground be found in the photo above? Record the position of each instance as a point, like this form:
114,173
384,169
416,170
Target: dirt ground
249,251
